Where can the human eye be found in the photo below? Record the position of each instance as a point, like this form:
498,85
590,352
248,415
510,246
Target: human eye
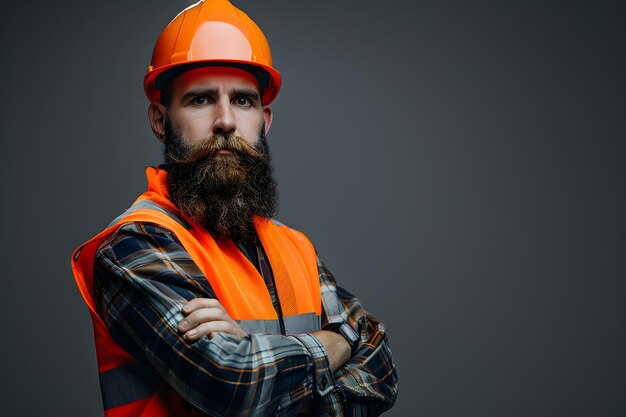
242,101
200,100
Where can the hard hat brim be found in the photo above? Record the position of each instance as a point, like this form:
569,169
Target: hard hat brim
157,80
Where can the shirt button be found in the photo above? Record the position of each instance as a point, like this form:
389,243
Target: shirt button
324,382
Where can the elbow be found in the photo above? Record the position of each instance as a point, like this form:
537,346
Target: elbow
225,375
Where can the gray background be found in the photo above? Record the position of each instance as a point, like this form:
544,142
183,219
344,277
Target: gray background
460,166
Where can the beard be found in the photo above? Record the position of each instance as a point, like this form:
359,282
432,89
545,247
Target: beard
223,192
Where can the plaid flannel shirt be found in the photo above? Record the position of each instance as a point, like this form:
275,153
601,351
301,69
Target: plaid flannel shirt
143,276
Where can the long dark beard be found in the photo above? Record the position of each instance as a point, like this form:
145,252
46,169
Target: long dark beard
222,192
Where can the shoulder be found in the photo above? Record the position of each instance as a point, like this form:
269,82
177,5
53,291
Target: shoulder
293,233
287,228
137,237
141,251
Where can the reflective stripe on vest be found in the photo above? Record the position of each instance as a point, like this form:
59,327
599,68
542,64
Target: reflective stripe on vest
147,204
128,383
301,323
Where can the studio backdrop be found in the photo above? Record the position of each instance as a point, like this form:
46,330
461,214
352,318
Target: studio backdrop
460,166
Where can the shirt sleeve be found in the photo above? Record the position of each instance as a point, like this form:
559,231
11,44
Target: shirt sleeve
367,384
143,277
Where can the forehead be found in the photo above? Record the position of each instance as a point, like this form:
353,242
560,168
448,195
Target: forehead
214,78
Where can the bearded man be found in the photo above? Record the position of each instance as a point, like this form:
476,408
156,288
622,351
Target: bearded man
202,303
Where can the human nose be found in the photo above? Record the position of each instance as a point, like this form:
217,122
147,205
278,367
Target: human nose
224,119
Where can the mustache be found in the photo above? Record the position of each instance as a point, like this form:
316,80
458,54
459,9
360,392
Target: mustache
208,149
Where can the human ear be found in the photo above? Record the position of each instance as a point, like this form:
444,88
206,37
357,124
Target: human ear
267,117
156,114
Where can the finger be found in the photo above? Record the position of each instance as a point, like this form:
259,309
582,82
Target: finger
198,303
202,316
210,328
236,331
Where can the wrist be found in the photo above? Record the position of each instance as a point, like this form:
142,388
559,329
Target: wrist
336,347
323,381
344,329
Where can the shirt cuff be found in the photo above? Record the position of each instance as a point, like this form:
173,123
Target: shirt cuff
323,380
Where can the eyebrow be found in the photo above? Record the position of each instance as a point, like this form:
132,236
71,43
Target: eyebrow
199,92
246,92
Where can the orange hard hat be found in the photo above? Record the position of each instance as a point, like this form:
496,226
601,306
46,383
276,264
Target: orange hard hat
216,33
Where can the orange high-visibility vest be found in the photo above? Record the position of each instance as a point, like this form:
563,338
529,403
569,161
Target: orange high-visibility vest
130,388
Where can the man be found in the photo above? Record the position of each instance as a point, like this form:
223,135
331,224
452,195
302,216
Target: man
202,304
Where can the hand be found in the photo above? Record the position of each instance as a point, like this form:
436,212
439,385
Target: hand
206,317
336,347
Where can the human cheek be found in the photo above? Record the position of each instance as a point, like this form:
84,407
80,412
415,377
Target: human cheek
252,130
198,128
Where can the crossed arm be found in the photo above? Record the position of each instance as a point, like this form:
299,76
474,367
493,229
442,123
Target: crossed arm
207,317
143,279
